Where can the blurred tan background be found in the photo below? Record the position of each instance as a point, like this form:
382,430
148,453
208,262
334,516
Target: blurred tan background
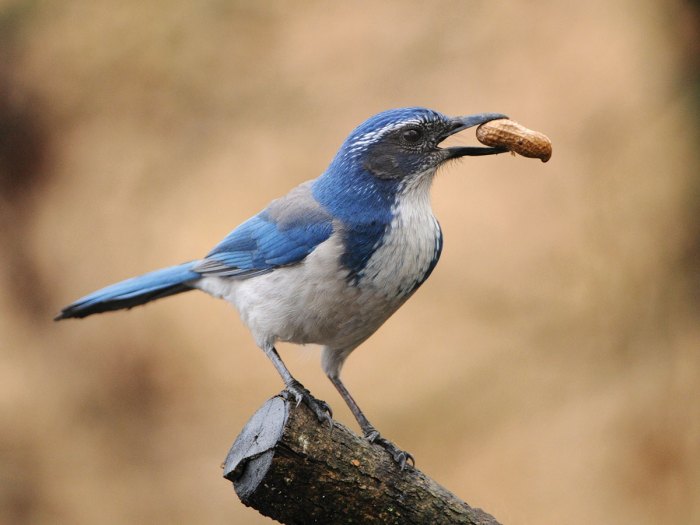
548,372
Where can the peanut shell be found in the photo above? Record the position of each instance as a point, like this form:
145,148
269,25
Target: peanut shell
508,134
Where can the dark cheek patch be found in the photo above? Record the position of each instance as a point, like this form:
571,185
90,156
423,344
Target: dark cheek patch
383,166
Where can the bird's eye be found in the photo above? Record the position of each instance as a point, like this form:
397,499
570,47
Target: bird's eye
413,135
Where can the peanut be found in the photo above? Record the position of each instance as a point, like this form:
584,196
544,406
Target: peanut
508,134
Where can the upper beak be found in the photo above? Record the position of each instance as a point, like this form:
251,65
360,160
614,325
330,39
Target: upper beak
469,121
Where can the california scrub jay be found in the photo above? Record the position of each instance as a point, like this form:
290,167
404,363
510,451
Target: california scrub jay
333,259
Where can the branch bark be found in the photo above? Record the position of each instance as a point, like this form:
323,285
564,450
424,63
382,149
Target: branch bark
294,469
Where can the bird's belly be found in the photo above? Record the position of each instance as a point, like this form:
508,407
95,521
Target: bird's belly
308,303
315,302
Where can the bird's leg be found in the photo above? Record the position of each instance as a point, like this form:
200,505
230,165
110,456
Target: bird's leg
295,388
371,434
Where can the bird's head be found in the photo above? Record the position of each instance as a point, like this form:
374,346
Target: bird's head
392,154
401,143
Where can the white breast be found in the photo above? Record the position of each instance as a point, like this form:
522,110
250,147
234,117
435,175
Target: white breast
410,246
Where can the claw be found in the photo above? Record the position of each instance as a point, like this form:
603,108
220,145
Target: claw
320,408
401,457
372,435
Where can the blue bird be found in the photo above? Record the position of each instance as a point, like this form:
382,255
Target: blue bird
333,259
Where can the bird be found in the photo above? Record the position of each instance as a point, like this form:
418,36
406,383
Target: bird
333,259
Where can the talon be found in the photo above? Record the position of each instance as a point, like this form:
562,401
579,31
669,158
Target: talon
404,459
320,408
372,435
401,457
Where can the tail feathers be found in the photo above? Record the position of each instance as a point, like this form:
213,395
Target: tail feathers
133,292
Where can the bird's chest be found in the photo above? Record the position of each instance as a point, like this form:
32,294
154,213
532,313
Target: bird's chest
406,253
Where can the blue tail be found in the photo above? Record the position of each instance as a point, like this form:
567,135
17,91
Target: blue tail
133,292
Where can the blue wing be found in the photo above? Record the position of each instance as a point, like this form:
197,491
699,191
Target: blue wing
284,233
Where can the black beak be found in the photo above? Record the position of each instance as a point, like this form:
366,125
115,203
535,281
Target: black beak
469,121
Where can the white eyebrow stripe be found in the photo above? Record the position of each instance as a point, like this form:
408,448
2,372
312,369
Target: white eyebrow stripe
371,136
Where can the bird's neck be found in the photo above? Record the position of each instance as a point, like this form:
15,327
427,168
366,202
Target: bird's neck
355,196
381,218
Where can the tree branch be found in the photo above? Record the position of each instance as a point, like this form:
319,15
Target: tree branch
294,469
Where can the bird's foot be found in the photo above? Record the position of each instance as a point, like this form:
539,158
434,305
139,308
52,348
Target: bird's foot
320,408
400,456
